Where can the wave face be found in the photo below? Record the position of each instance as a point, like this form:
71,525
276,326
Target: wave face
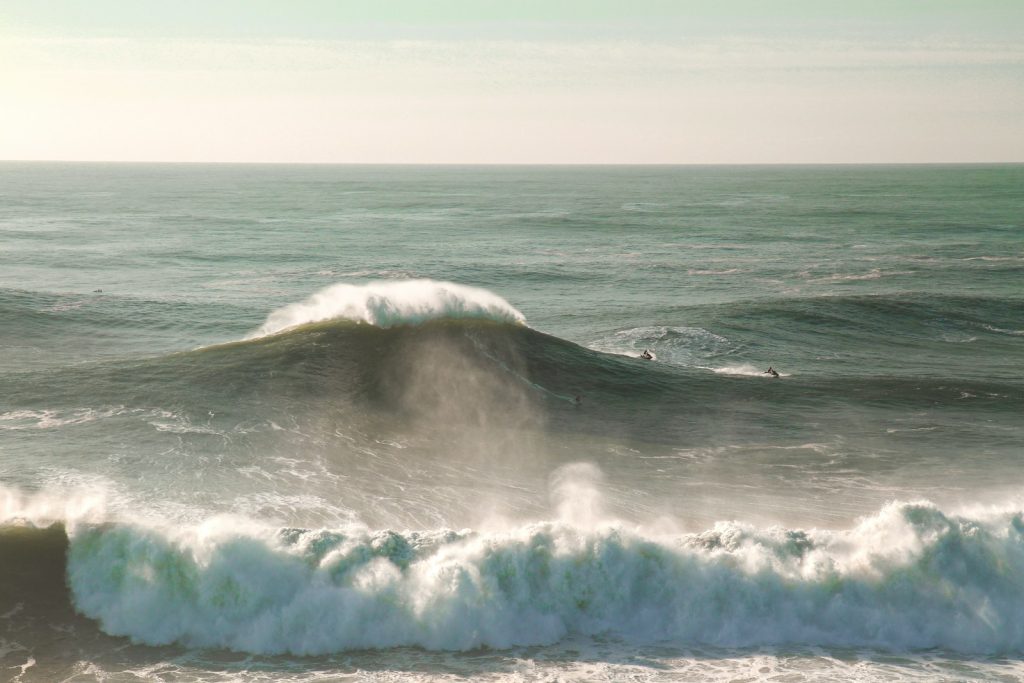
908,577
386,304
467,402
364,332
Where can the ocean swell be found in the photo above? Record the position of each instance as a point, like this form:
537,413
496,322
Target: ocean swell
910,576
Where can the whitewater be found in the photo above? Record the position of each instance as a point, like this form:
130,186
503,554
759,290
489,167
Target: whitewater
324,423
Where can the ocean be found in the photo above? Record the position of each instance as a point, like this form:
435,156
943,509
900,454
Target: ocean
323,423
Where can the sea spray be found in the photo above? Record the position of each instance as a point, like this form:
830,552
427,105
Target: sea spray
52,505
387,303
576,495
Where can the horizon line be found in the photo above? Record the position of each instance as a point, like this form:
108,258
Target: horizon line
512,163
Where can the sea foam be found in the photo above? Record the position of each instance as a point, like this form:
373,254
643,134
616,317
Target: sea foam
390,303
910,576
744,370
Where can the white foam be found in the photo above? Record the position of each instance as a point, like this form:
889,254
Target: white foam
994,258
908,577
16,420
49,419
723,271
957,338
390,303
873,274
745,370
1001,330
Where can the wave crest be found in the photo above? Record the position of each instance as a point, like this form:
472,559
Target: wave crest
386,304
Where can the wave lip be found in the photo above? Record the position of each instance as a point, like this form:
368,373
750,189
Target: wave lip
386,304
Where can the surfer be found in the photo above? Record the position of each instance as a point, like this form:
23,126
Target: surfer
647,355
771,371
578,401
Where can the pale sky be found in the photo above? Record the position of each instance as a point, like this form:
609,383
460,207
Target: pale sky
483,81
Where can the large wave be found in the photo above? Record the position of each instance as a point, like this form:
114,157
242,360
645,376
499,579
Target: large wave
910,576
385,304
461,371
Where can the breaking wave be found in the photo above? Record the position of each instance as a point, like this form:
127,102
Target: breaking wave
910,576
386,304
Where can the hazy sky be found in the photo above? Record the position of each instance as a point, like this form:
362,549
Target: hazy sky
482,81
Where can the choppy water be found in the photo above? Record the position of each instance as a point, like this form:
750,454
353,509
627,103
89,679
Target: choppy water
320,423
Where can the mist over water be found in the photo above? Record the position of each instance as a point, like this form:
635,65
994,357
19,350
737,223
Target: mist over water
303,419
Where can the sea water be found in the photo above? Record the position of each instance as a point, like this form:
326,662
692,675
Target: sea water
366,422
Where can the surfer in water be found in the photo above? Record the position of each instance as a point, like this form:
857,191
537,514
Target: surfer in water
647,355
771,371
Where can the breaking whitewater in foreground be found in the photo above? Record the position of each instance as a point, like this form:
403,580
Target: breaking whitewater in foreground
908,578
